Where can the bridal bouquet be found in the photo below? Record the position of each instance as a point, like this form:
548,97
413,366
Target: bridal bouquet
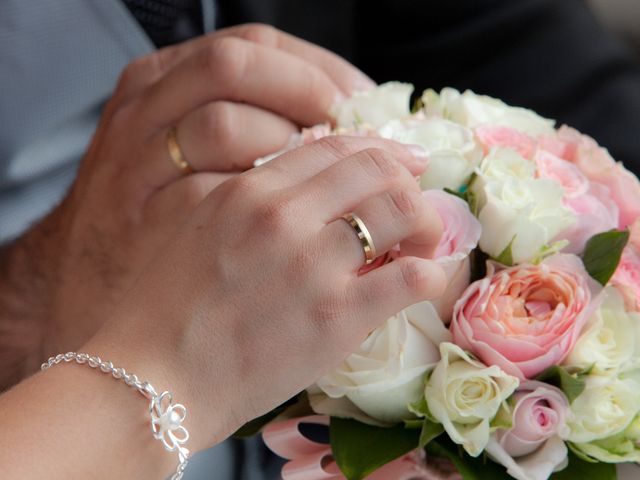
529,366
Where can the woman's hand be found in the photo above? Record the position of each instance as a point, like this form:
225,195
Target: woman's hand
233,96
259,295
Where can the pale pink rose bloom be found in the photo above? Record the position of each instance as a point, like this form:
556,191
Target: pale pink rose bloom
598,165
528,317
573,181
627,277
491,136
460,236
634,238
533,448
595,213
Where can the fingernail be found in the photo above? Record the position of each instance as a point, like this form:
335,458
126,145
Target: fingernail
419,152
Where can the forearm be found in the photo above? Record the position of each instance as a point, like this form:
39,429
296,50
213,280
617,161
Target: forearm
75,422
27,277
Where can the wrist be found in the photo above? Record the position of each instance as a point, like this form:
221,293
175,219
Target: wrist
146,352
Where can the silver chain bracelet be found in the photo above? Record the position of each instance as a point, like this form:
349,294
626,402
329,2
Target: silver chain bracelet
166,417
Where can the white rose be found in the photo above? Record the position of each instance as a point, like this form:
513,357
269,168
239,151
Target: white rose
374,107
387,372
474,110
464,395
515,208
606,407
621,447
452,149
610,341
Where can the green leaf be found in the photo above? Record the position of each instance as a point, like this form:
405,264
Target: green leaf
460,195
572,384
506,256
579,469
470,468
430,430
361,449
416,423
548,250
420,407
602,254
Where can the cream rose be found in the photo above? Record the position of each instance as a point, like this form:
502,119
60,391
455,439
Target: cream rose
387,372
464,395
606,407
622,447
473,110
517,209
375,107
452,150
611,339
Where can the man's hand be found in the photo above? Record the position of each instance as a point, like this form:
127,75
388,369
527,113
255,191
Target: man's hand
233,96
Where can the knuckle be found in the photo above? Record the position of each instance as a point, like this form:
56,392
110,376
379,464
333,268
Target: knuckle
129,74
403,204
275,216
242,185
261,33
226,59
379,163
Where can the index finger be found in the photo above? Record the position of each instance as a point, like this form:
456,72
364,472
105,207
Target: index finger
344,74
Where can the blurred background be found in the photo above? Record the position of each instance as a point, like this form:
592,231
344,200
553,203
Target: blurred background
621,16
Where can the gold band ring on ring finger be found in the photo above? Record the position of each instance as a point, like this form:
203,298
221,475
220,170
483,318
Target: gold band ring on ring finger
175,152
363,235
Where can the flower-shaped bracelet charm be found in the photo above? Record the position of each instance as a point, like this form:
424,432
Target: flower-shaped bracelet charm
166,421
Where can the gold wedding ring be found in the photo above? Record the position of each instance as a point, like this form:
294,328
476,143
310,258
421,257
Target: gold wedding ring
175,152
363,235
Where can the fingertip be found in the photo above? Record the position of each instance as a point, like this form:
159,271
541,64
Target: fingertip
362,83
434,279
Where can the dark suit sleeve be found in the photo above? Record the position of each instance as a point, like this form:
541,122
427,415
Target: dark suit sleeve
548,55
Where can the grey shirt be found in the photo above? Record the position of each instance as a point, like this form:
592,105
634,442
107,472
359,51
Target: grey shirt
59,62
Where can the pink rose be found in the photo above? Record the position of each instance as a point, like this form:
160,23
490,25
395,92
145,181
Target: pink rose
598,165
533,448
595,212
525,318
491,136
627,277
573,181
461,232
540,412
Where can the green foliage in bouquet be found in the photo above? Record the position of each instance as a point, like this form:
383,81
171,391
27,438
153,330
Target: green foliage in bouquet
602,254
361,449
